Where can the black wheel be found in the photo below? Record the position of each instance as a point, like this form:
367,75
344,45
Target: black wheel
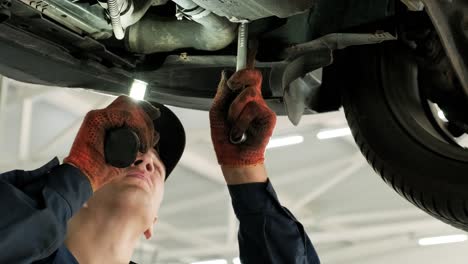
394,128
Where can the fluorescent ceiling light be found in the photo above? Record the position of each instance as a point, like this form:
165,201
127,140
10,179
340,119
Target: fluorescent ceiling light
236,261
284,141
138,89
428,241
214,261
333,133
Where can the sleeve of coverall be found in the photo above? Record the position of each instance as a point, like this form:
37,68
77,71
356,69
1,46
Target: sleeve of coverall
268,232
36,206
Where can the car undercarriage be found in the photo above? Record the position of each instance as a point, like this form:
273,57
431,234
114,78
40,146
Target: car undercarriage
394,66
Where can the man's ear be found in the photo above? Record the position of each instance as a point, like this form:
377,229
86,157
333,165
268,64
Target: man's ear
149,232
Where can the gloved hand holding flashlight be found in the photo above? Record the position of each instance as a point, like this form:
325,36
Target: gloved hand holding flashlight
87,152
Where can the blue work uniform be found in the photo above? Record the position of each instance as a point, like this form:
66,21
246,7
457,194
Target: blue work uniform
37,205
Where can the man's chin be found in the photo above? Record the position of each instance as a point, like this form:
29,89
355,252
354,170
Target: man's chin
132,196
137,182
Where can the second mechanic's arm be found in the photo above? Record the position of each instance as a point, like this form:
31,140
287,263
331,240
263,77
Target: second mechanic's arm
268,232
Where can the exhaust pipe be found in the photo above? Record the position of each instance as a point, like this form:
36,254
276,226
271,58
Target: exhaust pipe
203,31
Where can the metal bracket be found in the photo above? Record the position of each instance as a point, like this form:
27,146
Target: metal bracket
414,5
450,19
302,94
304,58
5,12
75,17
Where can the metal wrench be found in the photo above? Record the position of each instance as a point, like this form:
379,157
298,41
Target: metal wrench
241,63
242,46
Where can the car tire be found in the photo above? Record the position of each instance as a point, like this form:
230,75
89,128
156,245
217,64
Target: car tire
391,125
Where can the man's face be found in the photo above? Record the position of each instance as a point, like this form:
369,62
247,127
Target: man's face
139,192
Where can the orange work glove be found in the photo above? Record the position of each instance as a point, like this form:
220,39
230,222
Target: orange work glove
239,108
87,152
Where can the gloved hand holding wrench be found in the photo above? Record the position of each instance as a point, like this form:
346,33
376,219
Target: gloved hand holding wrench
241,122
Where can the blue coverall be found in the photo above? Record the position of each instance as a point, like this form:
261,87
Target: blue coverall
37,204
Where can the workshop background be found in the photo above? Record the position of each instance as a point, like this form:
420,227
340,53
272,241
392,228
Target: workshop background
349,213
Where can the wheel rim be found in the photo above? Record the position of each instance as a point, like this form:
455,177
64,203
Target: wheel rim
400,83
442,122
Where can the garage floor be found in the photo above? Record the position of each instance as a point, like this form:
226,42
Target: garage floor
350,214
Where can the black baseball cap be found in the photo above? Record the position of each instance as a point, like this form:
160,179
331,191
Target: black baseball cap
171,143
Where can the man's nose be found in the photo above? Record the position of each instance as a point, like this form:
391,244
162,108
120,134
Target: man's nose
144,161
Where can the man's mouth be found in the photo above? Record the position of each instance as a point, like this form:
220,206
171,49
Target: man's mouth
142,177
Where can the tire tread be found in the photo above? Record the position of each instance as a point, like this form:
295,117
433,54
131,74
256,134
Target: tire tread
426,202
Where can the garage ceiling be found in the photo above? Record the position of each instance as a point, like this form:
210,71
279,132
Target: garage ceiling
349,213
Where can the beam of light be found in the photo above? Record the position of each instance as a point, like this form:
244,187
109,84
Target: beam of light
138,89
428,241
